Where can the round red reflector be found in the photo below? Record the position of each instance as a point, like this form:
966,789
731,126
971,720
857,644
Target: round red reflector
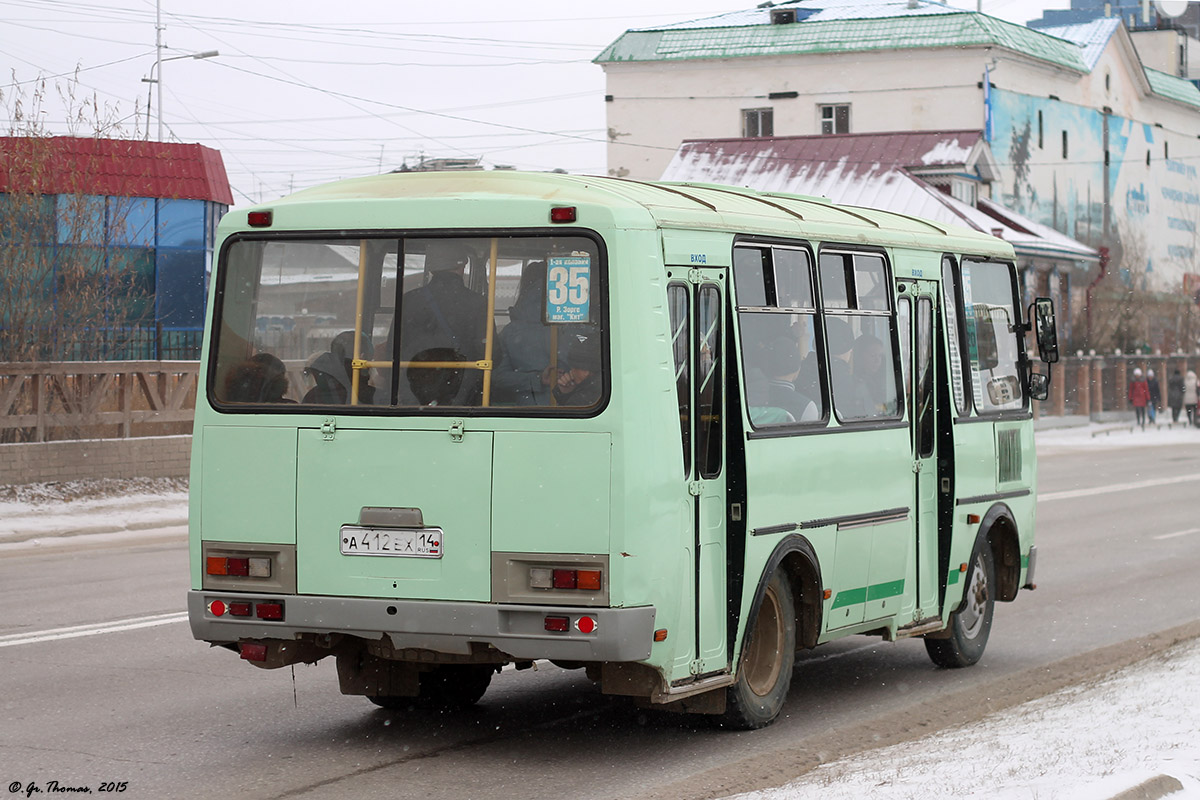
217,608
586,624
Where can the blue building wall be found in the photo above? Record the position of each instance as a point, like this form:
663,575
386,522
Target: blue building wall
162,249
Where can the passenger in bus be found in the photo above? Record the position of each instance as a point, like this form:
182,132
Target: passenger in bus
580,383
524,374
758,401
445,313
435,386
839,340
332,371
783,367
870,379
262,378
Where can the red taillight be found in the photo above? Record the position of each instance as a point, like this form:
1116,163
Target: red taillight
239,609
259,219
238,567
586,624
269,610
217,608
253,652
562,214
566,579
558,624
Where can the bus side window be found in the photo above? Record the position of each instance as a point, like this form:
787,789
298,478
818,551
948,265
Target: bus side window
779,352
861,336
989,311
954,335
681,336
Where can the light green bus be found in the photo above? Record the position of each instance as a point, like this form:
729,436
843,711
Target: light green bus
666,433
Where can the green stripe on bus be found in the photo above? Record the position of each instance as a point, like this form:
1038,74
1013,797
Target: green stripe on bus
879,591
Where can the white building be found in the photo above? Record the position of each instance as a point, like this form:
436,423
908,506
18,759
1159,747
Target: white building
1086,139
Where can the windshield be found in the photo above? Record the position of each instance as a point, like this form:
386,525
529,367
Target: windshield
415,323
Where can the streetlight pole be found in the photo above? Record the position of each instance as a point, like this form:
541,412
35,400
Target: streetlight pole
158,62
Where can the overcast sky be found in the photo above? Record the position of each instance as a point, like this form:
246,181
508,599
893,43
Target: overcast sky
305,92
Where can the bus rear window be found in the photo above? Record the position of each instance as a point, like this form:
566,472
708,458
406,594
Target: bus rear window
412,323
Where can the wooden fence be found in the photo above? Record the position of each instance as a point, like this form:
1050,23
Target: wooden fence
59,401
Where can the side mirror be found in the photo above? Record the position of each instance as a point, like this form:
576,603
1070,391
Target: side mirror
1045,329
1039,386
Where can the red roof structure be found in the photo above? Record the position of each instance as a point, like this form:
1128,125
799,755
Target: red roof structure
113,167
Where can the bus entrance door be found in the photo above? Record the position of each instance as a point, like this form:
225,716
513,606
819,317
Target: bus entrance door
707,481
924,418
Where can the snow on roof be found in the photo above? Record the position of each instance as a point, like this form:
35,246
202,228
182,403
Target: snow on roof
834,27
873,171
1092,37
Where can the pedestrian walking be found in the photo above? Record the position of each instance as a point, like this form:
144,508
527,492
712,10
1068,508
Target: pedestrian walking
1189,396
1175,395
1139,396
1155,397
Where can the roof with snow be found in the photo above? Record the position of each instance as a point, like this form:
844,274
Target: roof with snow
1092,37
888,171
837,26
846,26
113,167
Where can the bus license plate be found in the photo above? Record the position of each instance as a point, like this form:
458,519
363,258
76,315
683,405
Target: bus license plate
404,542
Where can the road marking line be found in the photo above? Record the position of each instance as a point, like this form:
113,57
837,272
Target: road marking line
76,631
1176,533
1121,487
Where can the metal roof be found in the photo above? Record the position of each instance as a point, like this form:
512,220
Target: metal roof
1173,88
1092,37
113,167
869,170
928,26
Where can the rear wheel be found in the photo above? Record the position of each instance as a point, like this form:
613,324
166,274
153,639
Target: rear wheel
966,636
445,686
765,670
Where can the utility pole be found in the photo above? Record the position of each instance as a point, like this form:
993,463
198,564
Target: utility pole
158,59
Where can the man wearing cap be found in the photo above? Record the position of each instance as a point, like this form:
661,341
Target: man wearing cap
444,313
579,384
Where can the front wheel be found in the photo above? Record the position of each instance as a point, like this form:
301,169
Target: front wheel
765,671
965,638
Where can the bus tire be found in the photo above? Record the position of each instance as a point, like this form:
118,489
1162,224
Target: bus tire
966,636
445,686
455,685
764,673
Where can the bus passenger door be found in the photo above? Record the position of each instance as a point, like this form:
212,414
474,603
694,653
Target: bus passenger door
706,484
922,377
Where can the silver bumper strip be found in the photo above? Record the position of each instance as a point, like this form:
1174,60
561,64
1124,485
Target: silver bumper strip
621,634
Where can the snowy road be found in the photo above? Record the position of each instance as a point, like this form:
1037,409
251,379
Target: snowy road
99,677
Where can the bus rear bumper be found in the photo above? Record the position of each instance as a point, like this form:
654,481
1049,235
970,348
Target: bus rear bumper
619,634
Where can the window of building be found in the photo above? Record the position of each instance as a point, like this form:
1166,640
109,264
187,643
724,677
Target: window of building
963,191
1040,131
835,119
758,122
1064,144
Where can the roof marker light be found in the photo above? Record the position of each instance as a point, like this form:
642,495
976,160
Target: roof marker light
259,219
562,214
